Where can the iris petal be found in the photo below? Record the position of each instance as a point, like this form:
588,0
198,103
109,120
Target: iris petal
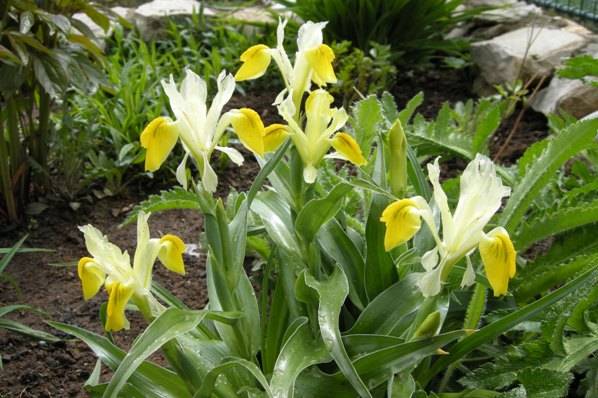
348,147
274,135
171,253
250,129
158,138
498,256
256,60
320,59
91,275
402,222
119,296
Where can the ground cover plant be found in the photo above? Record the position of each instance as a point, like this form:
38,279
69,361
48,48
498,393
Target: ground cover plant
374,278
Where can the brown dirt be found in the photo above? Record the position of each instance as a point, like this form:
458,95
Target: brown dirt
40,369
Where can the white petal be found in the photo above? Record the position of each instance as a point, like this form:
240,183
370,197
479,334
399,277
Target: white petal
429,282
226,87
195,92
177,102
469,274
310,173
310,35
448,230
181,172
110,258
209,179
425,212
232,153
430,259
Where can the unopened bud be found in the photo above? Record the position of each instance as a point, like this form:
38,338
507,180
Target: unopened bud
398,159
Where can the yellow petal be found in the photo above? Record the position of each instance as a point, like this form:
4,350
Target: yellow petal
498,256
402,222
119,296
256,60
158,138
348,147
249,127
171,253
274,135
91,275
320,59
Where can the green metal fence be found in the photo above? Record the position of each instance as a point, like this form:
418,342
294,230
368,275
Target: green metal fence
586,9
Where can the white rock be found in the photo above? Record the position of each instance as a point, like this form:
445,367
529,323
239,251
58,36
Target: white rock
167,8
572,96
510,12
150,17
96,29
533,51
253,15
100,34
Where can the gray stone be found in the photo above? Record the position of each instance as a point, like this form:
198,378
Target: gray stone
571,96
510,12
150,17
524,53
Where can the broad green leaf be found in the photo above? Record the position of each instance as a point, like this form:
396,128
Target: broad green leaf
386,314
299,352
357,344
318,212
211,379
167,326
497,328
338,245
543,383
150,379
414,103
332,293
566,144
276,215
367,115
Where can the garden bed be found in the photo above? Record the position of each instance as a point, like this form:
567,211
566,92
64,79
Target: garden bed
39,369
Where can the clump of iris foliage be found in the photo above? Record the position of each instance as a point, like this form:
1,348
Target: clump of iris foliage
376,280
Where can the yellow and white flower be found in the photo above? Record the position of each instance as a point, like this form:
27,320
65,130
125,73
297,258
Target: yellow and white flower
313,61
199,128
320,133
481,193
110,267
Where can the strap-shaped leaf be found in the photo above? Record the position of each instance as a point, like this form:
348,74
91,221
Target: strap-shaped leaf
211,378
167,326
150,379
299,352
502,325
318,212
331,294
6,259
388,315
566,144
175,198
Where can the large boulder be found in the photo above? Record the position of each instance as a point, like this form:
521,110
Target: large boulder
150,17
524,53
571,96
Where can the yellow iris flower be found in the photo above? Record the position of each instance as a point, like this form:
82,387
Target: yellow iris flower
480,197
313,61
254,135
110,267
199,128
320,133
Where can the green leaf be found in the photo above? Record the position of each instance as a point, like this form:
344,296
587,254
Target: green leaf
97,17
167,326
414,103
6,259
176,198
276,215
332,294
318,212
151,380
487,124
579,67
211,378
379,267
568,143
338,245
388,316
17,327
299,352
502,325
555,222
367,115
544,383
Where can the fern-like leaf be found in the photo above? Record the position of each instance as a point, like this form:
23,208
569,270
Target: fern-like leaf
176,198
